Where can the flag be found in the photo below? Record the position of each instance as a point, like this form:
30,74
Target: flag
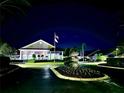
56,38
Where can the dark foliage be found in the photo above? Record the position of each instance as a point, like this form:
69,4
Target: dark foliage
4,61
119,62
34,56
18,61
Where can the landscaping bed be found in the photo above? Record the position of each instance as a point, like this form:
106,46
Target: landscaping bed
80,72
77,77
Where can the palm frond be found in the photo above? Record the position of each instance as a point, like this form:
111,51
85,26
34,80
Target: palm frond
26,2
3,2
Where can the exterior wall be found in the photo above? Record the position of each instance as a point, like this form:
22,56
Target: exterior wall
26,54
58,55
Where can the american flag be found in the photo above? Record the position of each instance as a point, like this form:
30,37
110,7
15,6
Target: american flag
56,38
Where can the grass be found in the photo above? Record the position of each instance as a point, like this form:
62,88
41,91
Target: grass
31,61
40,64
31,64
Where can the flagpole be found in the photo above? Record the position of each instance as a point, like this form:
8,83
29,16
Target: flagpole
83,51
54,46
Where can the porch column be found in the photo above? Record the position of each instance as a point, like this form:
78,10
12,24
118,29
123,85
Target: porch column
50,55
62,55
20,54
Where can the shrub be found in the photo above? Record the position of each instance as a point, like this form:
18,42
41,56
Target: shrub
115,62
34,56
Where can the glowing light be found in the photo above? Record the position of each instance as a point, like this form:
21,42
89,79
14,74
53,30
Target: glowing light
117,49
46,72
40,42
103,58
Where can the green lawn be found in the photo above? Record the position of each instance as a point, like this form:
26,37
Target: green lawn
40,64
31,64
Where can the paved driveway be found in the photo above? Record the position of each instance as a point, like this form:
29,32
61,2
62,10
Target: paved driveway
42,80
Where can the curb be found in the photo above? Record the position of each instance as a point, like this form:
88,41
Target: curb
120,68
78,79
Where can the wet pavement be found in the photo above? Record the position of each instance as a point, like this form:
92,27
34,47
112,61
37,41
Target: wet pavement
42,80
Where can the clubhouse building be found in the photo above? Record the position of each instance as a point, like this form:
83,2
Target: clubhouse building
42,51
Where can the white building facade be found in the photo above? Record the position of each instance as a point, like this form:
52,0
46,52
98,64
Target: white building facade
41,50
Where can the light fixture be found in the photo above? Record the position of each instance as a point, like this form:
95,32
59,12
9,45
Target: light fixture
40,42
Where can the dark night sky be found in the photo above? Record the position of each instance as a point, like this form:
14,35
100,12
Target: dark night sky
73,23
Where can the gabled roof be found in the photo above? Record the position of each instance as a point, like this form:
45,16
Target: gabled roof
39,44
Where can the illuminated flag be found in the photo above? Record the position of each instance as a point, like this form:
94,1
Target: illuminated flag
56,38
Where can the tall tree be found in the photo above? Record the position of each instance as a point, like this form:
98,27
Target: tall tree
6,49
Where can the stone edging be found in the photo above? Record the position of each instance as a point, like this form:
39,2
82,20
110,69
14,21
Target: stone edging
9,72
77,79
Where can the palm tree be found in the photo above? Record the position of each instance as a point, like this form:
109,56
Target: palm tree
71,57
